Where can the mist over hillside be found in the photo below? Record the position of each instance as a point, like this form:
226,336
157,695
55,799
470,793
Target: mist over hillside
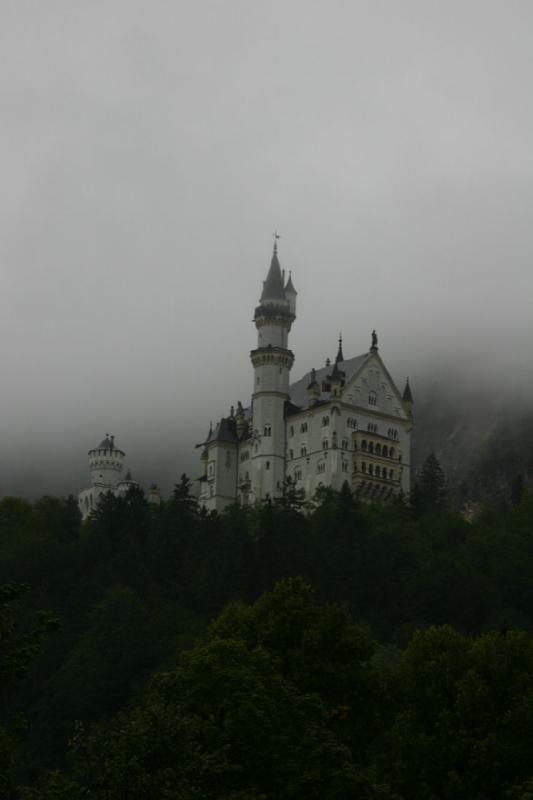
464,421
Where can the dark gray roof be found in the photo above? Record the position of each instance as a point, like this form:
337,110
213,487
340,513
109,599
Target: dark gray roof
289,287
108,444
273,286
298,390
225,431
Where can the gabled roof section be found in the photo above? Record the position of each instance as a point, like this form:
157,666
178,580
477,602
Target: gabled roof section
298,391
273,286
374,356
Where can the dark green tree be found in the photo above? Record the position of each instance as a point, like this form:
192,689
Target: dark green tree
430,492
19,645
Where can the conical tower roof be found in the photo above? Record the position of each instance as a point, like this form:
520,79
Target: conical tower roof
289,286
273,286
407,394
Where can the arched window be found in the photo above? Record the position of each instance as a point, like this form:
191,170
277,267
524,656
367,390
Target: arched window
385,451
391,452
325,422
363,444
372,399
267,465
378,472
291,430
267,430
378,449
363,466
291,453
325,444
371,447
391,475
370,469
303,451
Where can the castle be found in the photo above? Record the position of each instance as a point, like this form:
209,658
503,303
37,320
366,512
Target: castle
344,422
106,470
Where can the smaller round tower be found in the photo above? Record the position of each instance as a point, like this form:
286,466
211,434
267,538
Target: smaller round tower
106,463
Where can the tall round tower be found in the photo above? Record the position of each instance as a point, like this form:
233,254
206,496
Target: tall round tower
106,463
272,361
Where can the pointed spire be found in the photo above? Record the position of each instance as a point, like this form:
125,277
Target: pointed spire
407,394
340,356
289,288
273,286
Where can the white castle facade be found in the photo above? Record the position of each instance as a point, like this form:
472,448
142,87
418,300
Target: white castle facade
344,422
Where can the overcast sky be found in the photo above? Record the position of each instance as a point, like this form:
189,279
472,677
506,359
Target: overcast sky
148,151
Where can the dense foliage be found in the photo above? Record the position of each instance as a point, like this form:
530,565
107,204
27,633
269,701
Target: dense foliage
402,676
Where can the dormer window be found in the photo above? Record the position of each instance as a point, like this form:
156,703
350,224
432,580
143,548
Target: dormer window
372,399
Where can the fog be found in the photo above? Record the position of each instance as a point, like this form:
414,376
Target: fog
150,149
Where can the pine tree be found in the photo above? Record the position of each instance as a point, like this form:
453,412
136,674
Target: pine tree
430,492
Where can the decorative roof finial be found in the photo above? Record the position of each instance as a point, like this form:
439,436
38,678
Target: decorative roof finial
276,237
374,341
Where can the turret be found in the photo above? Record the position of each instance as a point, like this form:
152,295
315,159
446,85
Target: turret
272,361
239,420
407,399
106,463
290,294
336,380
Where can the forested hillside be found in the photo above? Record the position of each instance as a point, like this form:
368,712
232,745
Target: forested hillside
130,590
485,445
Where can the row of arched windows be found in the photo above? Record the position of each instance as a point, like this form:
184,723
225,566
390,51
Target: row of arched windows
378,449
379,472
